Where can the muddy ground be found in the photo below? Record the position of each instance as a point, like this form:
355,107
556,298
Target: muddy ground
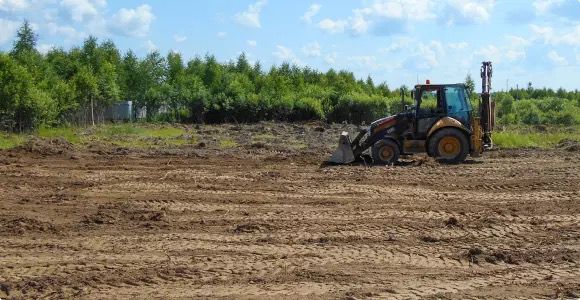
261,219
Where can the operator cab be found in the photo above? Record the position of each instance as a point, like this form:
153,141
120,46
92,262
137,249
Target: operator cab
433,102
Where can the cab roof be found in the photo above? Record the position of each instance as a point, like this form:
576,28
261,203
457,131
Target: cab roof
436,86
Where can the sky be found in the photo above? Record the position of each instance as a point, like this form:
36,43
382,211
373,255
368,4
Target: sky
395,41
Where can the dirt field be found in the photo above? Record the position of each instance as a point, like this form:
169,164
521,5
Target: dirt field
263,220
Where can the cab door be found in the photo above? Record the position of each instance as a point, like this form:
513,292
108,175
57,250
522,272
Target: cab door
457,104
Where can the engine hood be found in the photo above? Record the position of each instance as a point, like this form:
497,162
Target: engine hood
382,123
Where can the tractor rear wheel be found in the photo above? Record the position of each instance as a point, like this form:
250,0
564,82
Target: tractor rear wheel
385,152
449,146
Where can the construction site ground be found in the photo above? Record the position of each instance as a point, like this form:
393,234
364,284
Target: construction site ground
259,217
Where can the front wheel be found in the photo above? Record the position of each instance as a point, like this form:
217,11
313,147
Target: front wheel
385,152
449,146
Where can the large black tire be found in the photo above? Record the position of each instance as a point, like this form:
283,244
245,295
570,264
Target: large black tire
385,152
449,146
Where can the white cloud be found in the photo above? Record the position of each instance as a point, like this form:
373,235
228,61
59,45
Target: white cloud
132,22
557,59
80,10
222,35
332,26
8,30
518,41
398,44
251,16
430,53
284,54
400,9
13,5
468,11
544,33
512,51
458,46
312,50
513,54
365,61
331,58
551,37
578,58
392,16
252,43
563,9
311,12
44,48
572,37
359,24
544,6
179,38
150,46
68,33
489,53
425,56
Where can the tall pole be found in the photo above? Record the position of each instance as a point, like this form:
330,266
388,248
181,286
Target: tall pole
92,111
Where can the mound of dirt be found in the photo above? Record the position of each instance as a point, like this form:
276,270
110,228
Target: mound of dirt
569,145
53,146
100,218
252,228
22,225
155,216
102,149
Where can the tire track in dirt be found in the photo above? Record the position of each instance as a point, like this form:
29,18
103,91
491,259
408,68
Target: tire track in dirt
512,276
236,226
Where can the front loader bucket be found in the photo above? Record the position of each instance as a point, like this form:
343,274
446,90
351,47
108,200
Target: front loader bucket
343,154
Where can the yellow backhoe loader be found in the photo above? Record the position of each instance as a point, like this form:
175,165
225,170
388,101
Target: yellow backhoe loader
441,123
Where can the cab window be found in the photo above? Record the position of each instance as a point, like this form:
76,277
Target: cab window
455,98
431,101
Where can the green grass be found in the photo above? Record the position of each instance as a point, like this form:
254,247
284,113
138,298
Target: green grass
119,130
144,136
228,144
164,132
263,137
68,133
10,140
124,135
527,138
140,136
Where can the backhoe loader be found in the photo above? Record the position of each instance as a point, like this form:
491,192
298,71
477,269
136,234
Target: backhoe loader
441,123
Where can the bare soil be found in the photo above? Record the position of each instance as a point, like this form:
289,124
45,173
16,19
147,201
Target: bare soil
264,220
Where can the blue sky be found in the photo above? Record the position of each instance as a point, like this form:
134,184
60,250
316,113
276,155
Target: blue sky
396,41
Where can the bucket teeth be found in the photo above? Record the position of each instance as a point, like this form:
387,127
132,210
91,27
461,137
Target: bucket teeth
344,153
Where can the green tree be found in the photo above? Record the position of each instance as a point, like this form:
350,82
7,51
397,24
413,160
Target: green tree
152,75
107,85
469,85
86,89
194,96
130,79
26,40
23,106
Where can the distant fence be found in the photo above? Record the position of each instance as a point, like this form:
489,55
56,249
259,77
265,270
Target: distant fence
123,111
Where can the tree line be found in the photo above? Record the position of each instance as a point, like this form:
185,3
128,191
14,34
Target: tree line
76,86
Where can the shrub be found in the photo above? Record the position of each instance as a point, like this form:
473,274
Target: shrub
527,112
308,109
359,108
